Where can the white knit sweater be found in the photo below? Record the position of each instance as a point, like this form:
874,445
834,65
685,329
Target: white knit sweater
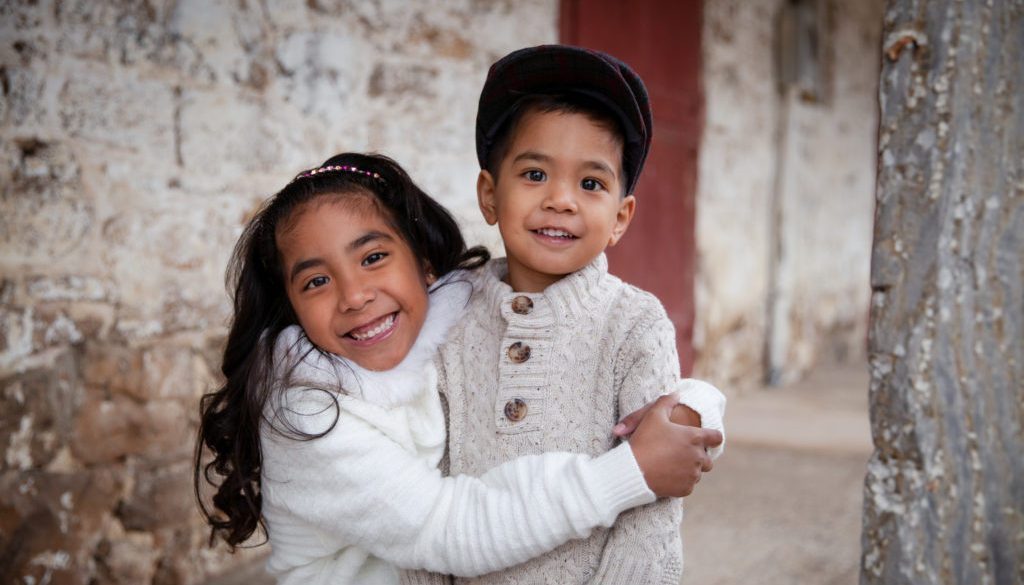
366,496
526,373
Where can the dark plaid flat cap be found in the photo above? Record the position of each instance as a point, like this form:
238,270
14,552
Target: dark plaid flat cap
555,69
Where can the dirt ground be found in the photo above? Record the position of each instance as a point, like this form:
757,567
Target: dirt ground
783,504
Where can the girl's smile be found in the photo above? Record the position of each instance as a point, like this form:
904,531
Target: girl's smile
354,284
376,331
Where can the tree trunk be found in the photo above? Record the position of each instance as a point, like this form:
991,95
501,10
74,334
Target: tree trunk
944,493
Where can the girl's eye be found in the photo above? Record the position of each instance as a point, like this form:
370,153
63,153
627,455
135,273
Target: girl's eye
535,176
317,281
591,184
374,258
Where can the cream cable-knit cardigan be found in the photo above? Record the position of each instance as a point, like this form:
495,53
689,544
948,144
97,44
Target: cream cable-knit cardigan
534,372
347,506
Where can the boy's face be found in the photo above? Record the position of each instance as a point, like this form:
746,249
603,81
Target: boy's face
557,200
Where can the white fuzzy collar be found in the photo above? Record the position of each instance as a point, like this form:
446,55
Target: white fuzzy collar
399,385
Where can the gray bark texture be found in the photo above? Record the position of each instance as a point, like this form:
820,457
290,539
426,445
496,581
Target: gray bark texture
944,492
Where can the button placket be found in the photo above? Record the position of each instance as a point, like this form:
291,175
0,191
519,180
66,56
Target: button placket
519,405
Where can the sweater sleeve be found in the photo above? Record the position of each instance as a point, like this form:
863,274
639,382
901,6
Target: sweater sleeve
355,486
644,545
709,403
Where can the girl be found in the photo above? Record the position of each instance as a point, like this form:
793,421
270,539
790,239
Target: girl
329,428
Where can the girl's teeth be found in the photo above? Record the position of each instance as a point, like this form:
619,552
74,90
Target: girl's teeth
554,233
384,326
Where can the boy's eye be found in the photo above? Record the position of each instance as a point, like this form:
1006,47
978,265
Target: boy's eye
591,184
535,175
316,282
374,258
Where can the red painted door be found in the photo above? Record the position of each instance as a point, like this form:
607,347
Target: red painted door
660,40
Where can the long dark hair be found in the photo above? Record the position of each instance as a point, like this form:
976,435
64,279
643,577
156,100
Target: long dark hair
230,417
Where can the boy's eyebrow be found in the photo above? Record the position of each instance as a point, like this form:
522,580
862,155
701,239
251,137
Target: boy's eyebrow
539,157
530,155
600,166
354,245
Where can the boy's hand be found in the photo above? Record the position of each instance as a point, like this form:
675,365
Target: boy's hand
672,457
681,415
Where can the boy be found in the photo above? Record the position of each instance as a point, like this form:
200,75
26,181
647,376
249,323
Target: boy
552,350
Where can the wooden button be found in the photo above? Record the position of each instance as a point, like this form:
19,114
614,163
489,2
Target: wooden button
522,304
515,410
519,352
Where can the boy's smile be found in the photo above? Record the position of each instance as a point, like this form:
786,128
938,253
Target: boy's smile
558,198
354,284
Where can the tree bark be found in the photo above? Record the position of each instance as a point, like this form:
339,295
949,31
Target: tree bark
944,492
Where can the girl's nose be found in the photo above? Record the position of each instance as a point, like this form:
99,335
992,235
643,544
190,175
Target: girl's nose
559,198
353,296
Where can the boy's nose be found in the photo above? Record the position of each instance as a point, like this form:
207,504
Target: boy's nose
560,198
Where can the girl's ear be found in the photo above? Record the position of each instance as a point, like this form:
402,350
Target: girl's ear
485,197
428,273
622,218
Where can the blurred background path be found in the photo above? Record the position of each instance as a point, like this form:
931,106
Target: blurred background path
783,504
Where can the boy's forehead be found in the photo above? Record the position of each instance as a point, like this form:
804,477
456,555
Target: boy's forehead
566,137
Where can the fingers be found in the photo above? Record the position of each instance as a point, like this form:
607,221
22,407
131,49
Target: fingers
632,420
712,438
665,404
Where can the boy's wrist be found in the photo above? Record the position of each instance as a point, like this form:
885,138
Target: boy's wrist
684,415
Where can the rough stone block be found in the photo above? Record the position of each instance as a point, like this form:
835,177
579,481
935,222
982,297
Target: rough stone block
46,214
161,497
113,368
36,413
127,113
49,523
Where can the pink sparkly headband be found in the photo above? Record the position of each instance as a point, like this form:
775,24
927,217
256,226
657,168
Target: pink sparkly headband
335,168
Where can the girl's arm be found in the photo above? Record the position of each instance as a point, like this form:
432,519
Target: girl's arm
355,486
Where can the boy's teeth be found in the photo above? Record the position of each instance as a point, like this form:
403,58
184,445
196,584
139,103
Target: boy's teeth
384,326
554,233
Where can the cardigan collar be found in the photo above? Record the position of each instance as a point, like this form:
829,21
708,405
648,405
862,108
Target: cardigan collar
573,294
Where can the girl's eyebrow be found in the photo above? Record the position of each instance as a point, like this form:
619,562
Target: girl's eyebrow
303,265
366,238
354,245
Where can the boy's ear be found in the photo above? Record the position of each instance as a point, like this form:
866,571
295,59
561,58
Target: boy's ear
622,218
485,197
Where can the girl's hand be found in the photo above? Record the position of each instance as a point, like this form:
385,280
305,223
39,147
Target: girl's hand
672,457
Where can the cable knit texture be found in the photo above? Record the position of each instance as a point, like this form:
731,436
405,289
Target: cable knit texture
526,373
367,496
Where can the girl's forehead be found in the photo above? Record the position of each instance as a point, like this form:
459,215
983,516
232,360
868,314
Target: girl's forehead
361,204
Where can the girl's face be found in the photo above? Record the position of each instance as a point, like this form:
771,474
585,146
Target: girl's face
354,283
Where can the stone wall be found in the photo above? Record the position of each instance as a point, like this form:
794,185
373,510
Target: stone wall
785,196
136,138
